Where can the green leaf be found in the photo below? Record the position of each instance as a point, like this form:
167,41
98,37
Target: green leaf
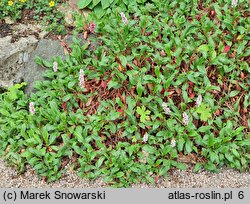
205,129
235,153
78,150
123,60
211,167
205,112
166,150
140,110
105,4
179,165
143,113
234,93
132,74
4,112
99,11
119,174
211,140
188,146
95,2
45,135
229,157
213,55
112,126
67,97
78,134
71,85
197,167
158,162
169,80
203,48
213,157
54,107
114,115
139,88
149,149
83,3
165,167
66,139
52,138
18,86
114,85
99,162
12,94
134,169
180,144
148,78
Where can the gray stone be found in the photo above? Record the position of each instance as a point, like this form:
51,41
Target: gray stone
13,57
31,72
8,20
29,28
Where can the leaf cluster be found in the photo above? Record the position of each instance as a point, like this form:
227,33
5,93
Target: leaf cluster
167,56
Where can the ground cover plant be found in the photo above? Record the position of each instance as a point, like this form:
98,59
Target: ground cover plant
44,11
165,87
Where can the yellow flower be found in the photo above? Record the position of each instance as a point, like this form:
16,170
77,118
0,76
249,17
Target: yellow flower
23,1
51,3
10,3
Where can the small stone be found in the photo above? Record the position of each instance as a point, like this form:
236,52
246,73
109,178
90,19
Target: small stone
42,34
8,20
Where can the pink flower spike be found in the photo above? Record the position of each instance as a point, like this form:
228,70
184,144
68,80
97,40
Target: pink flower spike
226,48
124,19
166,108
199,100
92,27
185,119
81,79
32,108
145,137
234,3
55,66
173,143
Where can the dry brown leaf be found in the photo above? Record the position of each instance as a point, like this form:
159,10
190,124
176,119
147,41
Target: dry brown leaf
85,35
89,101
190,158
120,68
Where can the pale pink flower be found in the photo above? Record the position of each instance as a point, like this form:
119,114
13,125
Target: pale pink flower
124,19
185,119
32,108
234,3
55,66
173,143
92,27
81,79
199,100
145,137
166,108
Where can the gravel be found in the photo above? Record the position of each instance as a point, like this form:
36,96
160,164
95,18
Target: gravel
228,178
